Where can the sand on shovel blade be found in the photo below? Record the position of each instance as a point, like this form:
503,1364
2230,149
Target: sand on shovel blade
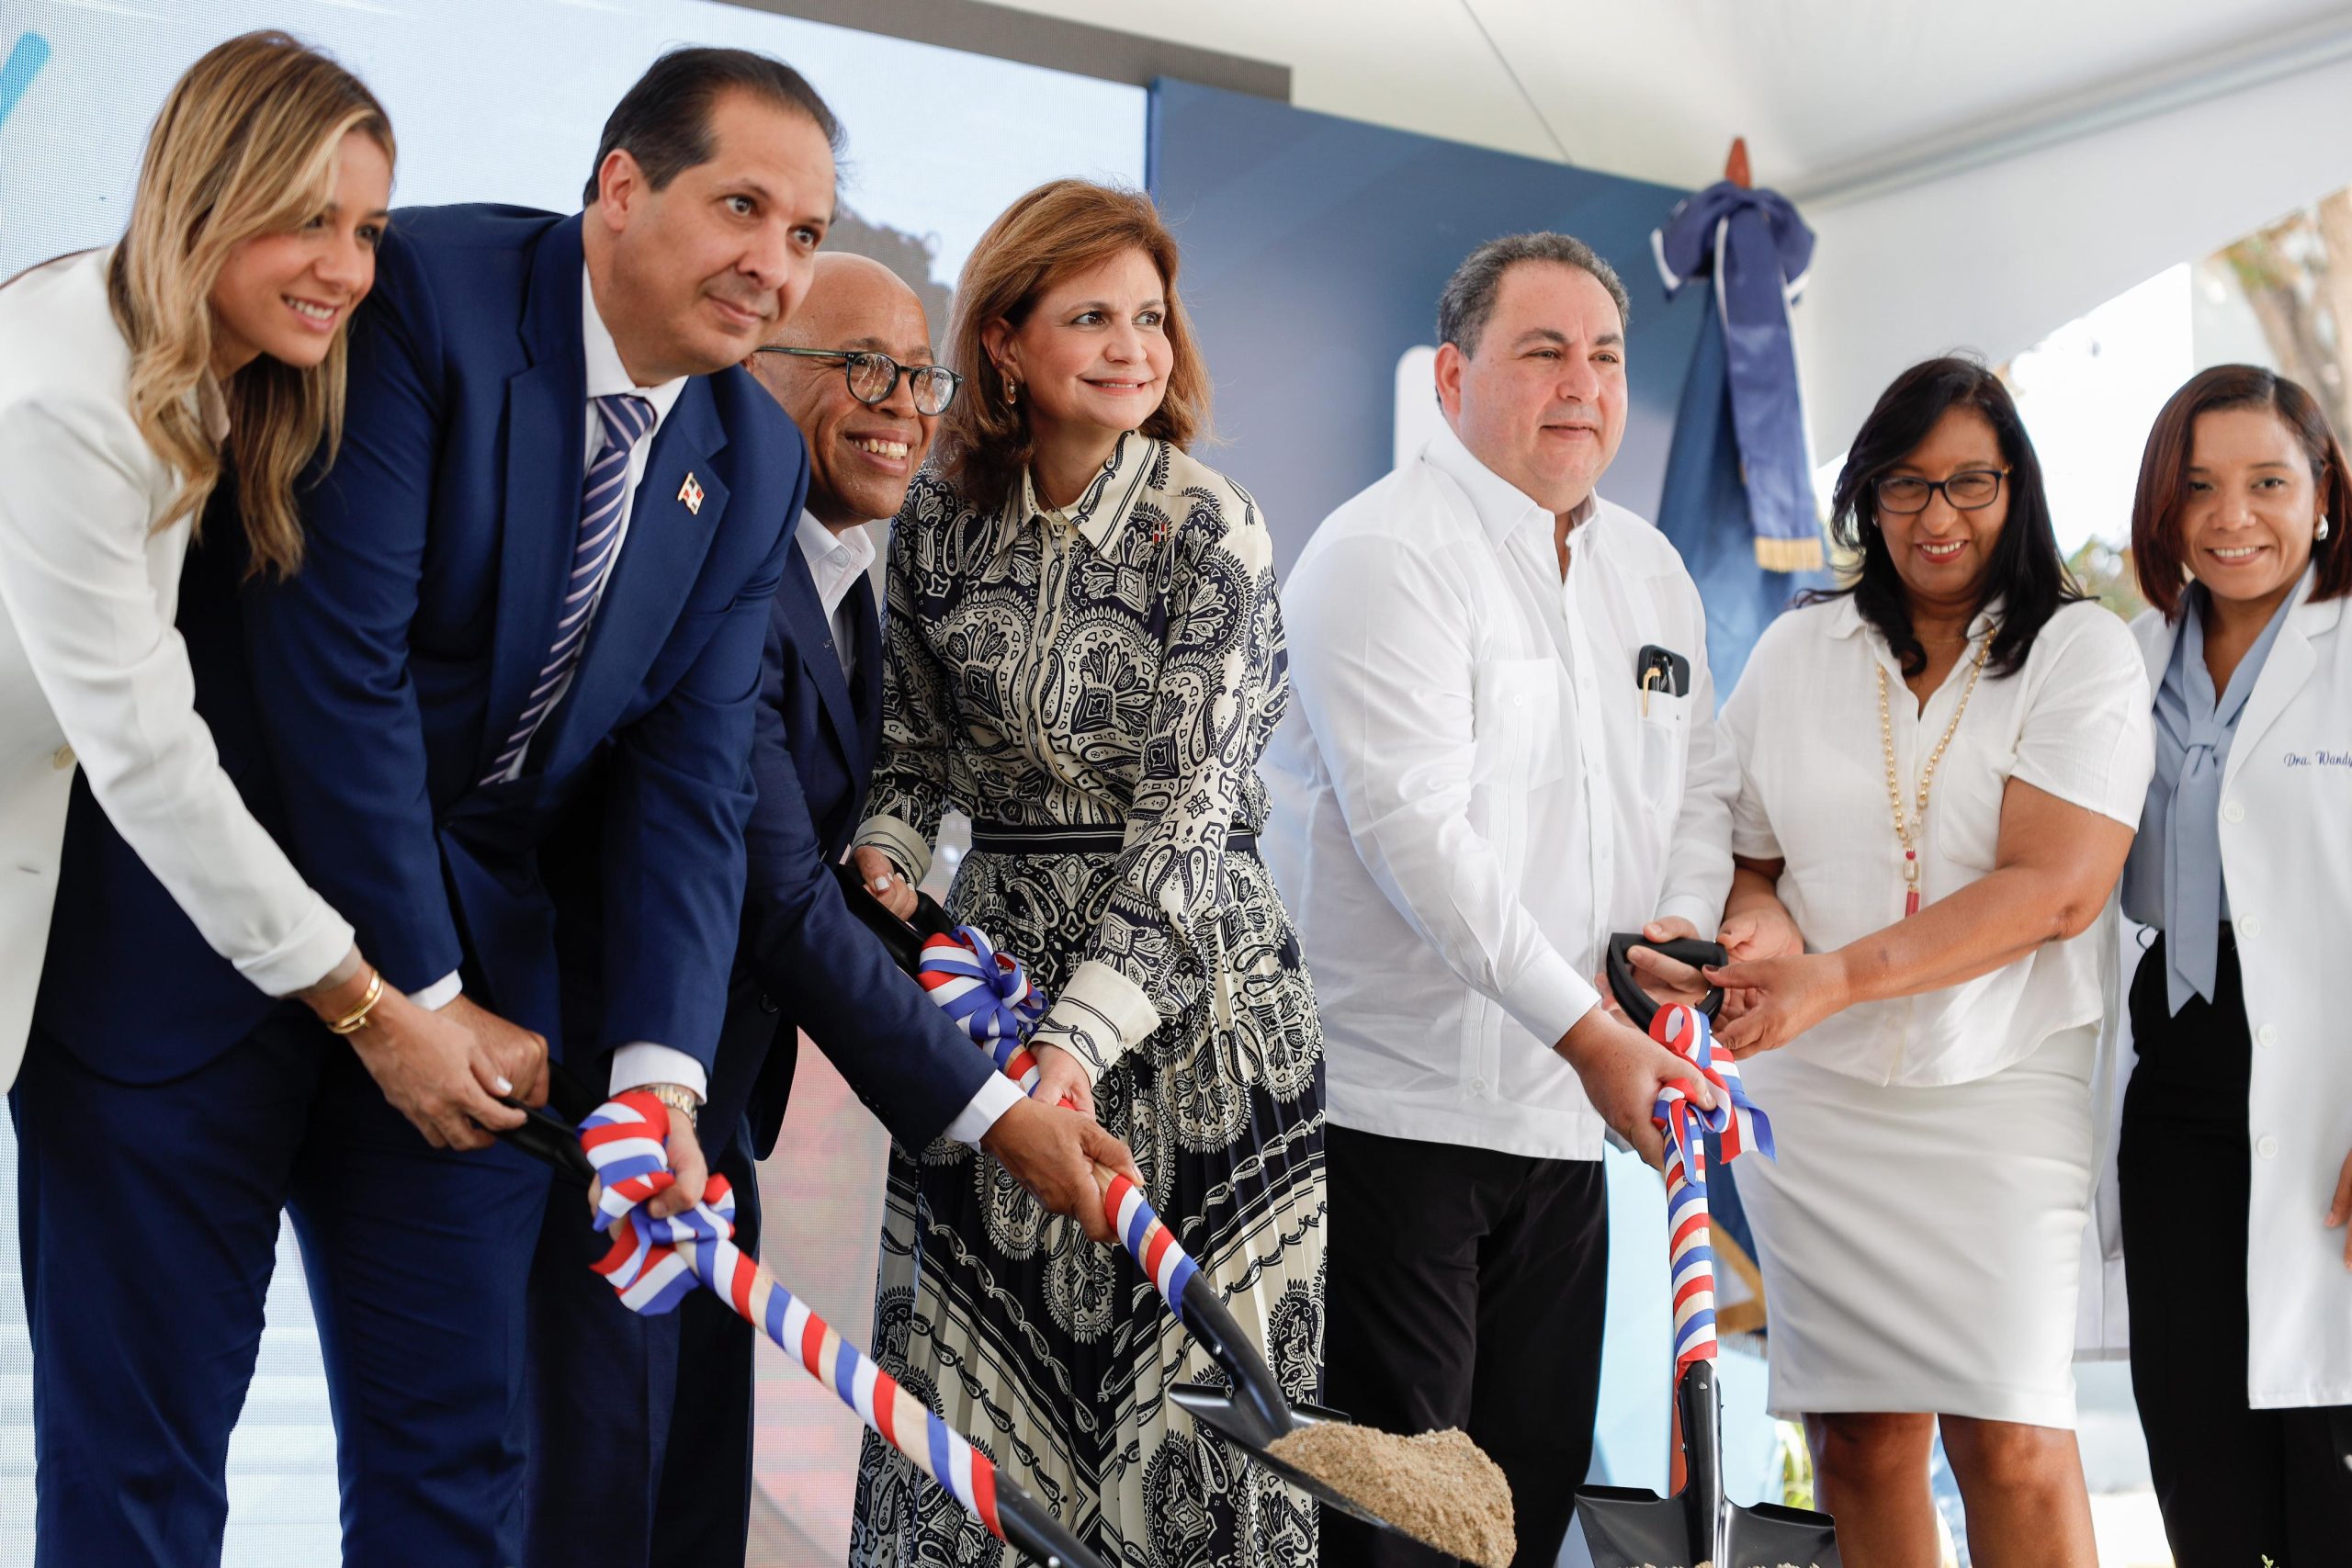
1438,1487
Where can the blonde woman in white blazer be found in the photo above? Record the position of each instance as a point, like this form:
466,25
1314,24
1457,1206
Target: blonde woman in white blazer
216,323
2234,1164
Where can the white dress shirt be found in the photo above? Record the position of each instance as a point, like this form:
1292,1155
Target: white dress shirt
642,1063
1470,795
91,668
1803,725
836,561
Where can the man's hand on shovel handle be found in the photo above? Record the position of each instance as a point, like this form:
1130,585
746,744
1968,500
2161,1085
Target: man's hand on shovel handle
1622,1070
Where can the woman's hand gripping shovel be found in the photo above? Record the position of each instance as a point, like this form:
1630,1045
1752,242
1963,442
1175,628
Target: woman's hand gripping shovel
989,996
1625,1527
654,1264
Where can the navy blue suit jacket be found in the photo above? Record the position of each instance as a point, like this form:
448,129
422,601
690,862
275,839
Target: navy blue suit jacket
806,962
373,689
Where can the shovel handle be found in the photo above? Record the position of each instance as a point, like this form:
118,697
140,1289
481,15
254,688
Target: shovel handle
1172,1270
1700,1411
1625,984
551,1133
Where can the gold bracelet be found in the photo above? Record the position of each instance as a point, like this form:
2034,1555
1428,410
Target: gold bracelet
679,1099
356,1020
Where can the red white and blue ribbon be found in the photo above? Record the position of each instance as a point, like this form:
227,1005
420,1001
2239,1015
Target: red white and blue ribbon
1739,1125
654,1264
1150,1241
988,995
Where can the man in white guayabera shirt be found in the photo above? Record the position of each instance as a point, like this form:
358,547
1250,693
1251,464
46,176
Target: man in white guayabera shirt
1503,749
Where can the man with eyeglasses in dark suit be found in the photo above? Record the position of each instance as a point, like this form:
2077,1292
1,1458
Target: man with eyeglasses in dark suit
852,368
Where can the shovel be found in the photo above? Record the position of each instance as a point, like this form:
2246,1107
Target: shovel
1250,1412
1003,1507
1625,1527
1625,981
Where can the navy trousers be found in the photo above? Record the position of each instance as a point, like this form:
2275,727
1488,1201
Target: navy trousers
149,1219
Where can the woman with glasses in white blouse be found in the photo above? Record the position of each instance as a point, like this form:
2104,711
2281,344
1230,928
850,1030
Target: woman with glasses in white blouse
206,345
1941,765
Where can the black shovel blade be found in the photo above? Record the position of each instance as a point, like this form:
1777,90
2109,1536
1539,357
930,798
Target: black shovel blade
1771,1534
1216,1409
1625,1527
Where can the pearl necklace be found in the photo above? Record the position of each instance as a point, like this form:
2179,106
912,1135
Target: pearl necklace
1905,826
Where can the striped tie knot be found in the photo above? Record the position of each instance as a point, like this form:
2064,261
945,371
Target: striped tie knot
622,419
626,418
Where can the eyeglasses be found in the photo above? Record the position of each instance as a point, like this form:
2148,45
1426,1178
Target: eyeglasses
1971,489
873,377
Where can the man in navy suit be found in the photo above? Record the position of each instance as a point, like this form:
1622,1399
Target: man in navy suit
852,367
547,552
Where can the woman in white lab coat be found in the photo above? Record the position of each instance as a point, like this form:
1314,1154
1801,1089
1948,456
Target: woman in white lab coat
2235,1162
209,338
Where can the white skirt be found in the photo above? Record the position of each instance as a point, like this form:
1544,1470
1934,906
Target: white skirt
1922,1248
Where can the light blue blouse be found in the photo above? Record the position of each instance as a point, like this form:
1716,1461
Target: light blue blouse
2173,879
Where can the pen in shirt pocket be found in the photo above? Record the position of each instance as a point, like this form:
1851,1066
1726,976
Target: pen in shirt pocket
1659,669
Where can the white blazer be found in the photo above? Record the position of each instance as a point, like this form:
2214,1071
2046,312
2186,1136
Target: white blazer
92,668
2286,834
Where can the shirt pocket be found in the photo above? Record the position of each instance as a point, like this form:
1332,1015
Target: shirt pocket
1966,805
1665,751
1515,725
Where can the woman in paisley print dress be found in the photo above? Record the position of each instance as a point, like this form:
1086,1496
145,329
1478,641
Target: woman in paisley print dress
1084,653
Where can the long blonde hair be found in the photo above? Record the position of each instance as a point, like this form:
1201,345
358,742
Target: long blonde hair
1062,227
246,146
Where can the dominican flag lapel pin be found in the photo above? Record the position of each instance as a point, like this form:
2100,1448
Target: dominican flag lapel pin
690,493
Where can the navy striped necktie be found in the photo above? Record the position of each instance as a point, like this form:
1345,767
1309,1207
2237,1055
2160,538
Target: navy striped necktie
622,418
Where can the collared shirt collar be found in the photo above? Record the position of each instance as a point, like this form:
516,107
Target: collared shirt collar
606,374
1503,507
835,560
1846,618
1105,504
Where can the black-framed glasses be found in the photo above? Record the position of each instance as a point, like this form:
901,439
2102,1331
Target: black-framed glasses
873,377
1971,489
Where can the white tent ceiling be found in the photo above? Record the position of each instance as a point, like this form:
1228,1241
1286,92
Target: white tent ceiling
1978,173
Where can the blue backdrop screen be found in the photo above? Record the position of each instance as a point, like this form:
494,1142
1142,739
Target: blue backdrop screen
1314,251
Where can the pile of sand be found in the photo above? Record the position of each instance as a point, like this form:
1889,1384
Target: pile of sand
1437,1487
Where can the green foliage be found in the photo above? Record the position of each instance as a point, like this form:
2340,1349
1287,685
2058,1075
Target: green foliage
2105,572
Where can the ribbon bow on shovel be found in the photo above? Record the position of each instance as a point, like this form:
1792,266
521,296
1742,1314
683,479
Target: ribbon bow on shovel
1625,1527
985,993
992,999
655,1264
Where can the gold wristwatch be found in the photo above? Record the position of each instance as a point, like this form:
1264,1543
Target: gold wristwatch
680,1100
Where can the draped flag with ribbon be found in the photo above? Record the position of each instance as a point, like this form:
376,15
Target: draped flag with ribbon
1757,250
1737,1126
